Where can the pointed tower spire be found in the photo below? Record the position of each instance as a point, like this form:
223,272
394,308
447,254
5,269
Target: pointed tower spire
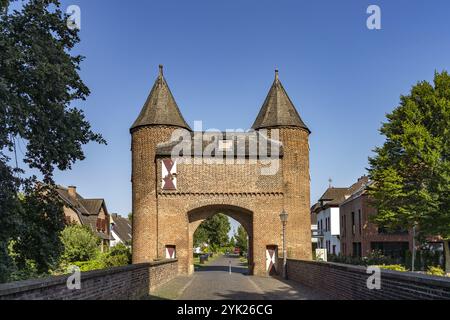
278,109
160,107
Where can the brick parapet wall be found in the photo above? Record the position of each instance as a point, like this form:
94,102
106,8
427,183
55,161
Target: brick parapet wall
119,283
341,281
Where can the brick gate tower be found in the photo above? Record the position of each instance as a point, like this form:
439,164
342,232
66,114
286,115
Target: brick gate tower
174,192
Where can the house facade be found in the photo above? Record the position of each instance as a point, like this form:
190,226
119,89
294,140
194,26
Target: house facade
360,236
120,230
327,215
87,212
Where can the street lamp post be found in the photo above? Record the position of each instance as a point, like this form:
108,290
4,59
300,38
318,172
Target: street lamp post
284,218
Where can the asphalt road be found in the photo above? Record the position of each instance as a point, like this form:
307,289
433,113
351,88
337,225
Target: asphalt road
215,282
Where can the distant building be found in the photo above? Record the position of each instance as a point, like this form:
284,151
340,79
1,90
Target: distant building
326,212
120,230
359,236
87,212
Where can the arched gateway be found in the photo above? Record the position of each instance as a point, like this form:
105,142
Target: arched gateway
181,177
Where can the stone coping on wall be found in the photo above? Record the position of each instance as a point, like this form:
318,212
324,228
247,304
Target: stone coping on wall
391,274
32,284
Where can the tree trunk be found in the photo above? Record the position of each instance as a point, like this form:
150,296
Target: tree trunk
447,256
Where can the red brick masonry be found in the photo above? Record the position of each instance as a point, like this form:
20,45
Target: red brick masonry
119,283
345,282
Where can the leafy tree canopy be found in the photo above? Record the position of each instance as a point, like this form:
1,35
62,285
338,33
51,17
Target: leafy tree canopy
213,231
241,239
411,170
39,84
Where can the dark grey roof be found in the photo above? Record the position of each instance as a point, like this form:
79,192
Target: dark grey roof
334,197
122,227
86,209
278,110
333,194
241,144
160,107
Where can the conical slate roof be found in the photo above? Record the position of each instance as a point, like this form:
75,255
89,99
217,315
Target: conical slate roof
278,110
160,107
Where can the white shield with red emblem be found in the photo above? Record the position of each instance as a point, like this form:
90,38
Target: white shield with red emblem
169,174
170,252
271,259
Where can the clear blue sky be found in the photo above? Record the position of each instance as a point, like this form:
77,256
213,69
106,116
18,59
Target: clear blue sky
219,58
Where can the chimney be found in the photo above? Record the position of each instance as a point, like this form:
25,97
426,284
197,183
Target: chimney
72,190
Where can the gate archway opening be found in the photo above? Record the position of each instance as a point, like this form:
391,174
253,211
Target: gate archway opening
243,216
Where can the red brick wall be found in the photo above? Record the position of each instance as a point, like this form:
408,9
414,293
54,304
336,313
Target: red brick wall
162,217
341,281
369,230
120,283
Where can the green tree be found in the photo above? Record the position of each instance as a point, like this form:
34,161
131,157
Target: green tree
241,239
39,238
39,85
80,244
213,231
411,170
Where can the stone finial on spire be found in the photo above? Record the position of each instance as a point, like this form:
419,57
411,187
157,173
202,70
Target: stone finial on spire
276,75
161,70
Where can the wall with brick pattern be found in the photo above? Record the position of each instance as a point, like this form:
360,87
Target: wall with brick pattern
163,217
342,281
119,283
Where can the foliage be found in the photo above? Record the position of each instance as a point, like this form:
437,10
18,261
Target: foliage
39,84
118,255
394,267
43,218
213,231
373,258
27,270
241,238
411,171
89,265
80,244
436,271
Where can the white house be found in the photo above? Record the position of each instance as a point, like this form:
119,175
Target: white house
328,218
120,230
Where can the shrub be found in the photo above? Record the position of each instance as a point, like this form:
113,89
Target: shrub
89,265
80,244
118,255
436,271
394,267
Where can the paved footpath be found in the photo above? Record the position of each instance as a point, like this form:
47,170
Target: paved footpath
214,282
